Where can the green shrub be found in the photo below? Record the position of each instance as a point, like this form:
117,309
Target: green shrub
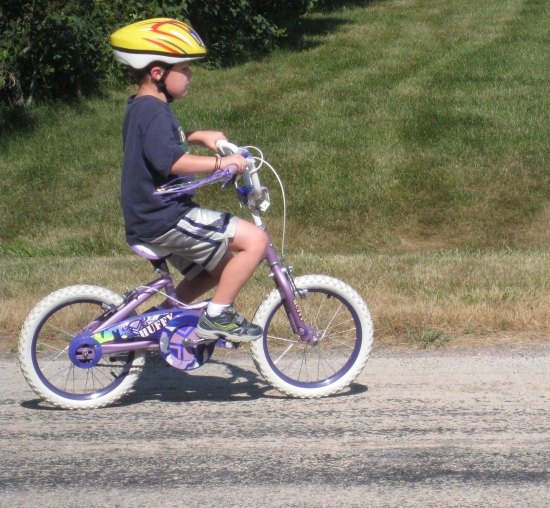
59,48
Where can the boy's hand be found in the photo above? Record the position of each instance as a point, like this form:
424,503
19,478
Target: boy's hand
205,138
234,159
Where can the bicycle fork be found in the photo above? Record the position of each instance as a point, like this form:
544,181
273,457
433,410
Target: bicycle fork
285,282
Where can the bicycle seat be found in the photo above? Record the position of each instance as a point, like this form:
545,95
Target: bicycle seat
151,252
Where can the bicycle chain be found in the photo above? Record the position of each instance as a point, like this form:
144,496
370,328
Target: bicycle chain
141,367
156,360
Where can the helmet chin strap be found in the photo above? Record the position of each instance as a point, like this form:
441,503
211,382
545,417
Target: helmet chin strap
161,85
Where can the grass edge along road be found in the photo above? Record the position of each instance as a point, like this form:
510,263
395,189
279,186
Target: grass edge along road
416,299
398,126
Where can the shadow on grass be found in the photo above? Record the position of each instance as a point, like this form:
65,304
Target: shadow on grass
301,35
165,384
303,30
16,121
20,121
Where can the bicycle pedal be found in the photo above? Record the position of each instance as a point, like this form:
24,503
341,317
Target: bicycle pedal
197,342
227,344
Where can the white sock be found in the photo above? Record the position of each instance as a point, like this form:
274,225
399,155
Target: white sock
215,309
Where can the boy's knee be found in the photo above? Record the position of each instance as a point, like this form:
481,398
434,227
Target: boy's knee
263,240
258,241
249,237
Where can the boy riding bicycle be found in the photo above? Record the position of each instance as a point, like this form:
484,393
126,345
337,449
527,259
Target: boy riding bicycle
201,241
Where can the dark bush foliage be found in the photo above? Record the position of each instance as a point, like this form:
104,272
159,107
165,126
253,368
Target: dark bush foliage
57,49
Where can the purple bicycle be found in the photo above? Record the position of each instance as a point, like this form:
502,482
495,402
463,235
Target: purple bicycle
85,346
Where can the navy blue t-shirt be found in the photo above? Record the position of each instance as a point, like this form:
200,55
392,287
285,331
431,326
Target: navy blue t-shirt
153,141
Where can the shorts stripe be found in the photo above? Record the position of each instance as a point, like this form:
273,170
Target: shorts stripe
206,227
197,237
217,244
189,267
212,254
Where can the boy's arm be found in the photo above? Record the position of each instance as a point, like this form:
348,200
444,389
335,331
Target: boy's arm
189,164
205,138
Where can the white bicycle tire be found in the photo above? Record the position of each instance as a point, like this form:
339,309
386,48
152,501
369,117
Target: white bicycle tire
32,373
260,349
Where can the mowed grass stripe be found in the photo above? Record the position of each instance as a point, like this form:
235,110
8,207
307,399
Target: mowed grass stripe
396,126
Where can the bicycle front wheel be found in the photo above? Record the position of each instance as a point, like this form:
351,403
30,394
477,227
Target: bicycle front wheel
343,324
44,351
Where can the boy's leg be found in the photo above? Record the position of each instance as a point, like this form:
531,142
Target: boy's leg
250,243
189,290
232,272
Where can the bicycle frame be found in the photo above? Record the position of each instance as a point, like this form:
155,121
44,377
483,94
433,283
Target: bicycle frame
133,299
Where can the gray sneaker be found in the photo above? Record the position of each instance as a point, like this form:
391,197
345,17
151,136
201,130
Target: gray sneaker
228,325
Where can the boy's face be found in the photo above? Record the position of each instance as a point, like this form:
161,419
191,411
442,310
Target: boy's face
177,80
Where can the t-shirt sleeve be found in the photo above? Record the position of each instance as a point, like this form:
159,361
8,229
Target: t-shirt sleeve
160,145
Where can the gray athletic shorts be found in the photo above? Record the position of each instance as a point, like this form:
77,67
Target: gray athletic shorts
199,240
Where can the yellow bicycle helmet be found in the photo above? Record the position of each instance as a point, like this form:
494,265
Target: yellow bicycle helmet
156,40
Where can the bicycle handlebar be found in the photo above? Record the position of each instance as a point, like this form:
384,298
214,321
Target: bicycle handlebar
250,175
226,148
180,186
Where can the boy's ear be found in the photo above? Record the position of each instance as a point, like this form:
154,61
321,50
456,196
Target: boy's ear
156,72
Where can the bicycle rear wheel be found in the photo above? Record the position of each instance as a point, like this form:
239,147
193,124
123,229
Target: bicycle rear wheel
44,351
342,322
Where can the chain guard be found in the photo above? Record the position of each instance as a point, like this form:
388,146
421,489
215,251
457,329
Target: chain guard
173,346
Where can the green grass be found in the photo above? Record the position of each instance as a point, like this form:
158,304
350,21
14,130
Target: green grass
411,136
396,126
427,338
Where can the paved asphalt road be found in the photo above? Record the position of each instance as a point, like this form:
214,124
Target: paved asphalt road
421,428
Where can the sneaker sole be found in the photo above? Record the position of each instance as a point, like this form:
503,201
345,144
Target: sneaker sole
218,334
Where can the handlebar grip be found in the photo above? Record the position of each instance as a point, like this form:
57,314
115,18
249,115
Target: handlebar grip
225,147
233,169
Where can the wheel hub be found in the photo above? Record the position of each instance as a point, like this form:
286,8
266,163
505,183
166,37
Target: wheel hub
85,352
309,335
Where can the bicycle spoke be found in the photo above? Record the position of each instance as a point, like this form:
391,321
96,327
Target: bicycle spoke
45,344
332,334
297,362
339,342
102,373
322,363
283,339
333,318
325,361
340,324
284,353
60,330
54,359
63,376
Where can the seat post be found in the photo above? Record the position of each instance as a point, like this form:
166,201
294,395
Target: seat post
157,257
161,268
